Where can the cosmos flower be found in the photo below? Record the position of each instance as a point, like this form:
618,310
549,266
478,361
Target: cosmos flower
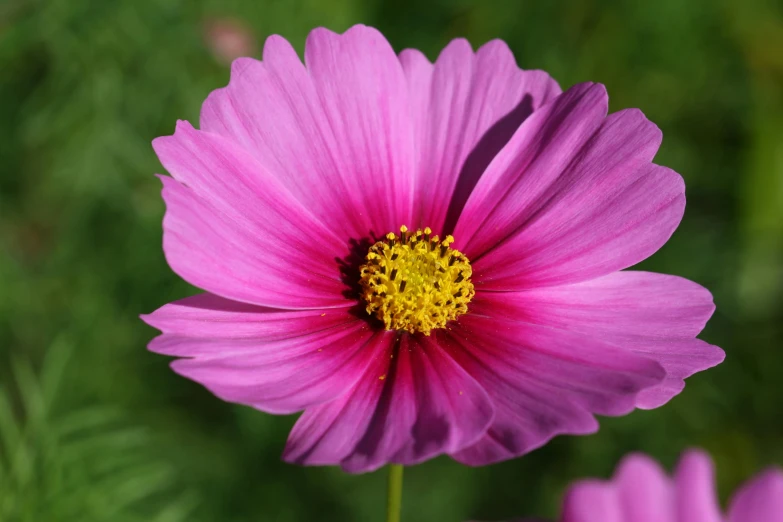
424,258
640,491
228,39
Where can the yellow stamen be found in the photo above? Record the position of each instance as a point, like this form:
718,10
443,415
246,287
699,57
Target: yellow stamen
415,282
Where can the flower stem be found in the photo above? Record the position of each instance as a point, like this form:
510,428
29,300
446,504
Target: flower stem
394,499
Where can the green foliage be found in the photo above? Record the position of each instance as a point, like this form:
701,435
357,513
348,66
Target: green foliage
115,435
87,464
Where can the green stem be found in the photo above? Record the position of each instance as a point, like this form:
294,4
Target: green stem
394,499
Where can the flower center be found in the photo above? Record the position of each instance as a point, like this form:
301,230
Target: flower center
415,282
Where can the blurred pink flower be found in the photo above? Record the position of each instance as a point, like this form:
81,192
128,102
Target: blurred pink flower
640,491
285,208
228,39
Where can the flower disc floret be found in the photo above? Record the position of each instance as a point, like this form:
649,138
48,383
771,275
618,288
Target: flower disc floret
415,282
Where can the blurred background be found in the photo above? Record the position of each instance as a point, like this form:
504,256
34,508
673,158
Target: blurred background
95,428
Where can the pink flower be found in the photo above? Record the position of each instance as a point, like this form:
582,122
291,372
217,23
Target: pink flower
228,39
287,206
640,491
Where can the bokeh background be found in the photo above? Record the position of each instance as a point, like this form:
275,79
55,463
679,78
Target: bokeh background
95,428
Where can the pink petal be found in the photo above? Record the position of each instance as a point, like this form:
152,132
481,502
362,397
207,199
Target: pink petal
646,493
571,197
640,491
277,361
593,501
327,434
680,359
696,493
213,317
760,499
526,418
232,230
337,133
543,381
453,410
406,409
523,172
465,107
654,315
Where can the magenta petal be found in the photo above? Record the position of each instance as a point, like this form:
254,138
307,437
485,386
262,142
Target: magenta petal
593,501
277,361
327,434
695,483
337,133
571,197
213,317
640,491
406,409
646,493
629,306
654,315
543,381
361,86
453,410
234,231
465,107
760,499
525,418
525,169
272,110
680,359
